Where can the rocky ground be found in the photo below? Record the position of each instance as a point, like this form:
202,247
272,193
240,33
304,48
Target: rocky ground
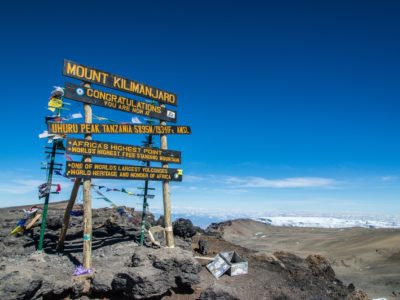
367,257
124,270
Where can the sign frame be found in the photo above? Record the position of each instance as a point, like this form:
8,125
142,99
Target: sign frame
121,151
146,173
110,80
118,102
103,128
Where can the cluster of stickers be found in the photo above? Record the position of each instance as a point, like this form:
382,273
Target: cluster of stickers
107,99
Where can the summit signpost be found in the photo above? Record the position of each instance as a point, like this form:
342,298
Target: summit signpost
154,109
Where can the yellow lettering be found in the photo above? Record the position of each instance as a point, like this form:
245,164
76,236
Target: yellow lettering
71,68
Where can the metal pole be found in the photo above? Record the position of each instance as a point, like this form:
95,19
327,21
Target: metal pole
166,196
146,187
46,202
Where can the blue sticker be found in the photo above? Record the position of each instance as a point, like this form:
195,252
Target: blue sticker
86,237
80,91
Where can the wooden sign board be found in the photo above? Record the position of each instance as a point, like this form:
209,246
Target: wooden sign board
86,128
113,171
122,151
118,102
110,80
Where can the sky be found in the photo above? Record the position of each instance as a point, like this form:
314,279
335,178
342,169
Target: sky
293,105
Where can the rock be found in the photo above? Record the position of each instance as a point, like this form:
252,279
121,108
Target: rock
140,283
101,284
154,272
185,244
183,228
54,222
29,249
160,221
216,292
351,287
33,287
357,295
139,259
51,290
320,266
36,257
16,286
217,229
203,247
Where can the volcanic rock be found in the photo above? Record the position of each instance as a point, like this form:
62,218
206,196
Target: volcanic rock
154,272
203,247
184,228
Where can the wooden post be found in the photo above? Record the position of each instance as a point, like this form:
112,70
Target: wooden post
67,214
87,200
169,236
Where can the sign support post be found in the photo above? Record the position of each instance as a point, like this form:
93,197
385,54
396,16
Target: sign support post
87,200
46,201
145,193
169,237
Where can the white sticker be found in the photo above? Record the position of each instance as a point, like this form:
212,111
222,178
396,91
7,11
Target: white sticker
80,91
170,114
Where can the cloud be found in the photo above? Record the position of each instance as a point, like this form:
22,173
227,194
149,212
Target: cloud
388,178
27,186
193,178
230,191
292,182
19,187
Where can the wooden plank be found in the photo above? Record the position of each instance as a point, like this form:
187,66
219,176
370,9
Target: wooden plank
33,221
117,82
86,128
114,171
121,151
118,102
67,214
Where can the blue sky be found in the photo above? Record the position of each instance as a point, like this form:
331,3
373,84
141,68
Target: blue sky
293,104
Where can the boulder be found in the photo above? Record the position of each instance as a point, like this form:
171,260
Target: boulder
320,266
357,295
153,272
54,222
203,247
15,286
184,228
217,292
160,221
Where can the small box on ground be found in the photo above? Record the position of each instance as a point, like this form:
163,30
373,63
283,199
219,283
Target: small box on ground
229,262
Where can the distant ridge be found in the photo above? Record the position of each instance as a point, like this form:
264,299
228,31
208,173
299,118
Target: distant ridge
328,222
53,205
